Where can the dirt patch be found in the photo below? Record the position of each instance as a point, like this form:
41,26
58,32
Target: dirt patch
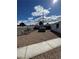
34,37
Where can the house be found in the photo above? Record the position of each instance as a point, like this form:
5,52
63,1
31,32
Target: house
56,27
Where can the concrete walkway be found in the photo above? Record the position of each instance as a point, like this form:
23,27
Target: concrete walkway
36,49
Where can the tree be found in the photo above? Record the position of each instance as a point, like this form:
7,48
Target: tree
22,24
40,23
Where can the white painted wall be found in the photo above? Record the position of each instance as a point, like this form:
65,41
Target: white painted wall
53,27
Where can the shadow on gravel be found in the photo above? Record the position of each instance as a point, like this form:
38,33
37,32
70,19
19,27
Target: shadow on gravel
58,34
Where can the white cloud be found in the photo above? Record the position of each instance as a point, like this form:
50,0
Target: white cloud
30,18
50,19
40,10
27,22
54,1
49,8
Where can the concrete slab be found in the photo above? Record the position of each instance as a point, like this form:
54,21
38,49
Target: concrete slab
37,49
21,52
54,42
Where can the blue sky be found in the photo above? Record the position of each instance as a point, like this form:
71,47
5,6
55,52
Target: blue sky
25,8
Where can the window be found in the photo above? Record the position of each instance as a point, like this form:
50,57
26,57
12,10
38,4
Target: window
57,25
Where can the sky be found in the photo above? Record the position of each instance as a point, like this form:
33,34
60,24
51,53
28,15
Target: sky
31,9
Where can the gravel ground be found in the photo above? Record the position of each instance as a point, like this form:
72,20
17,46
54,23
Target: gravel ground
34,37
52,54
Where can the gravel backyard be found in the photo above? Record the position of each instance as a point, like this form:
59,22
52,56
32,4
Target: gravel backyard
34,37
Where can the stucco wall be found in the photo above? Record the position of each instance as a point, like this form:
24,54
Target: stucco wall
53,27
